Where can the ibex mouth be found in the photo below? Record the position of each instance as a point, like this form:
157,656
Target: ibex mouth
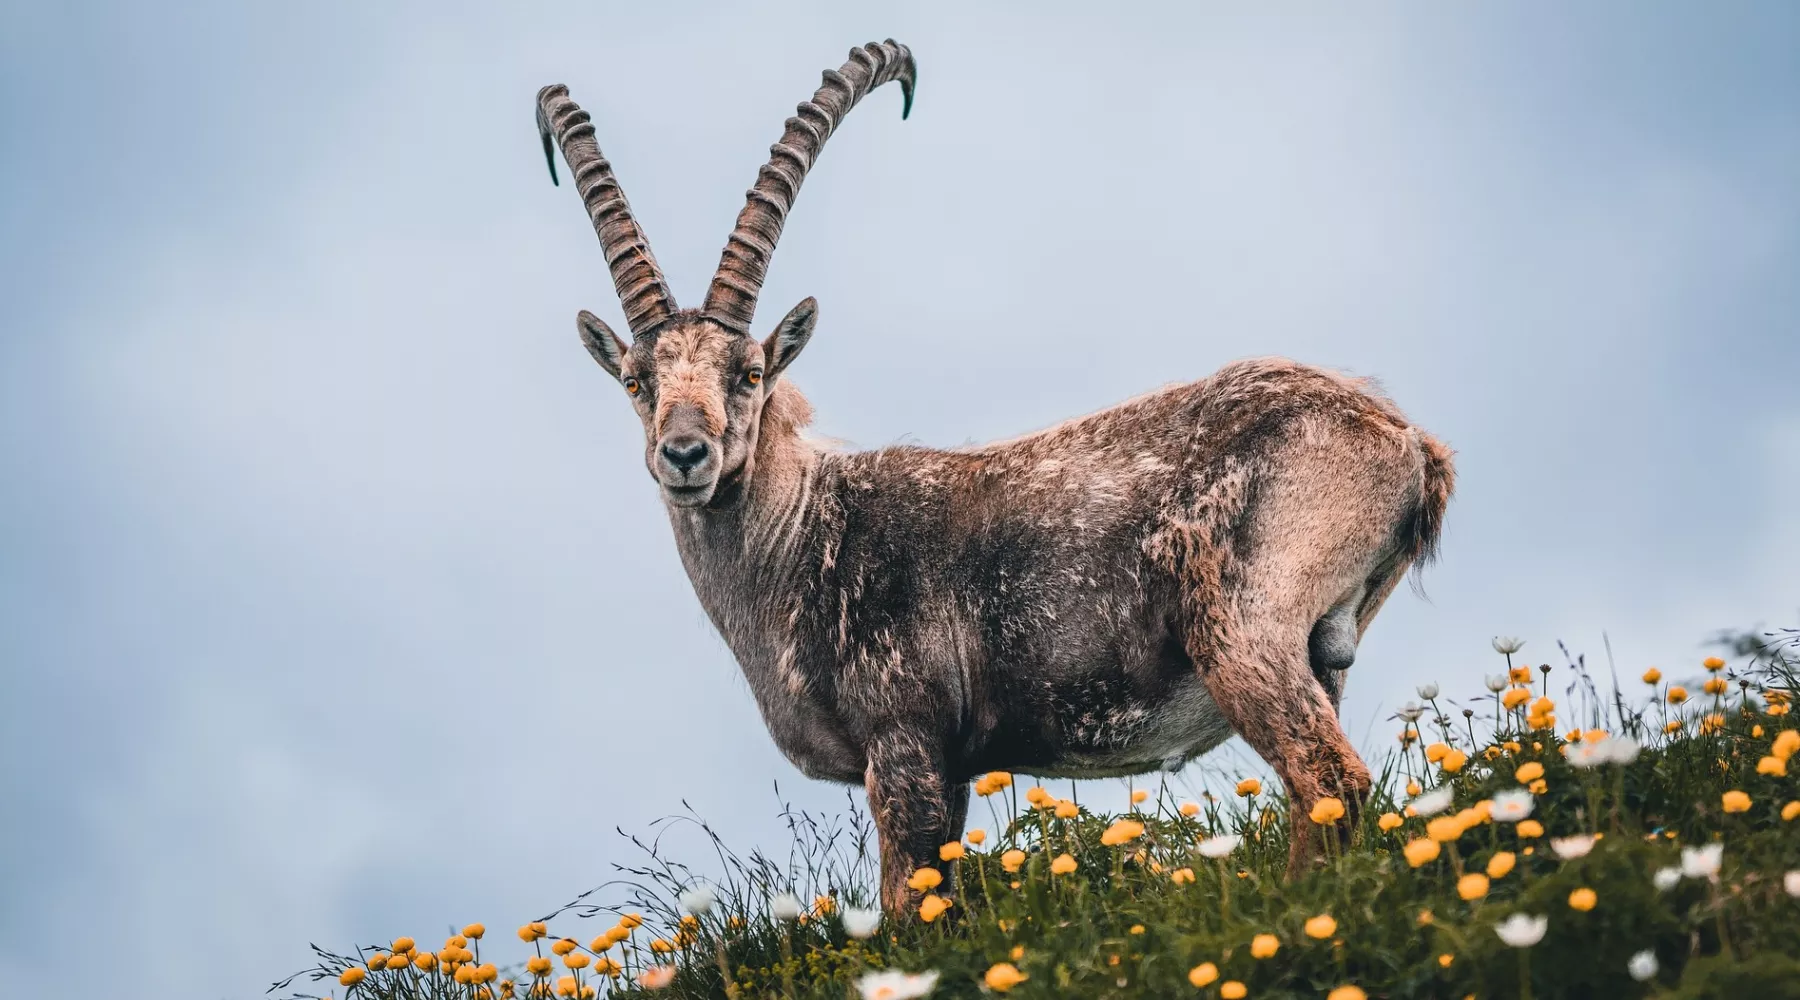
688,496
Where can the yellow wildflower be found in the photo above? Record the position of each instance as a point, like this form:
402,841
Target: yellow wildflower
1122,832
925,879
1713,663
1472,886
1514,697
1454,761
661,946
425,960
1445,959
976,837
1138,795
1203,975
1529,772
1249,786
1652,676
1231,989
537,965
351,976
1772,766
932,907
403,944
1347,993
1735,801
1190,809
1716,685
1003,976
1137,928
1673,726
1067,810
1327,810
398,961
1436,752
1264,946
1063,865
475,931
1389,822
1012,860
1500,864
1583,899
1425,918
1786,744
1038,797
1444,829
1791,811
574,960
1538,787
823,905
1413,787
1182,876
951,851
607,966
1677,695
1421,851
378,961
1321,927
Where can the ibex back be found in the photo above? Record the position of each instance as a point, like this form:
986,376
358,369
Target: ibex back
1113,595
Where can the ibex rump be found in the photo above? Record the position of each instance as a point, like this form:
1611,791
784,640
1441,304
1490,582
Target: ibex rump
1113,595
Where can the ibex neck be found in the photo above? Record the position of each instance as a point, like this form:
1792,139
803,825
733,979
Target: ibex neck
742,558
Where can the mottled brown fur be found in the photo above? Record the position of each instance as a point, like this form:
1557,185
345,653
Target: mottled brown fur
1115,594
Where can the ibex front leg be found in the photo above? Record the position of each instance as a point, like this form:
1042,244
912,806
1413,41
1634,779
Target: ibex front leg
909,798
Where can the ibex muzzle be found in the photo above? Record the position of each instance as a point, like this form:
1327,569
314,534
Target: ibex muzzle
1115,594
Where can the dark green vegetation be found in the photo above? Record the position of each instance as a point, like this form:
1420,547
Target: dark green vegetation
1658,770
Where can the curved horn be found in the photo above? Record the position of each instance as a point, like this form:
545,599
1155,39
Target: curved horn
635,273
731,299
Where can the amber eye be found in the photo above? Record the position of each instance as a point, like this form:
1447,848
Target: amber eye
753,376
631,386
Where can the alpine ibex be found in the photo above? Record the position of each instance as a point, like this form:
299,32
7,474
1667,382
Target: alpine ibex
1109,596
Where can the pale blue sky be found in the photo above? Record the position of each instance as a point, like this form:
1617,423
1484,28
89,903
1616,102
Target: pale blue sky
335,602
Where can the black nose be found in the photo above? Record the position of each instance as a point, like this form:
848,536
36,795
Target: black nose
684,453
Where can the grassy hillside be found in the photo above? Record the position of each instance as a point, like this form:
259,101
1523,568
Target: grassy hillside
1639,843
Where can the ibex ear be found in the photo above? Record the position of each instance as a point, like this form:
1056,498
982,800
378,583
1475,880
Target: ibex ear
795,329
602,343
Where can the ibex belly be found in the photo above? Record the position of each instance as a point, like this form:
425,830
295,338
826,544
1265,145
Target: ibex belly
1132,735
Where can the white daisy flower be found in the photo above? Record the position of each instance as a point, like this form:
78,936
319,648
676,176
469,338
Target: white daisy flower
1521,931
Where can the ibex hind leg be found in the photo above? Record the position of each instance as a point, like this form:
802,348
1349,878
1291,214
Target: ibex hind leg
1259,673
1291,609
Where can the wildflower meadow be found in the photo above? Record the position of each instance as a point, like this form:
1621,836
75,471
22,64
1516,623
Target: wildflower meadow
1539,838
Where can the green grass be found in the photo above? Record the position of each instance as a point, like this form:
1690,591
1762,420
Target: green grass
1121,925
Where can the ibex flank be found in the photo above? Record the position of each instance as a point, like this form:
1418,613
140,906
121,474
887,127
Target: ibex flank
1113,595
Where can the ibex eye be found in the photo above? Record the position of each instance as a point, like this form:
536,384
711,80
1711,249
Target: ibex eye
631,386
753,376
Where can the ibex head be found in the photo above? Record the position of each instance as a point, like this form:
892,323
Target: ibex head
698,378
